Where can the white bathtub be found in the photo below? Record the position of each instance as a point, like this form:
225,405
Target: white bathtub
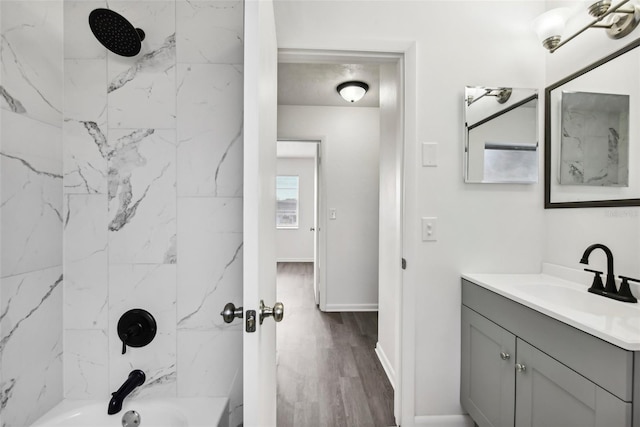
167,412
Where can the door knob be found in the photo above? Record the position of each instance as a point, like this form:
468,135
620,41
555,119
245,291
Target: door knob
277,311
504,356
520,367
230,312
312,229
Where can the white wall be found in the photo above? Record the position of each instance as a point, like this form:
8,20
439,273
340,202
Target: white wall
349,166
570,231
296,244
481,228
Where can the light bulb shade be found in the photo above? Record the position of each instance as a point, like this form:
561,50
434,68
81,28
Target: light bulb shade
352,91
551,24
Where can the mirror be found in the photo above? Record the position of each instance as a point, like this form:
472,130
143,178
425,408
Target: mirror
591,139
500,135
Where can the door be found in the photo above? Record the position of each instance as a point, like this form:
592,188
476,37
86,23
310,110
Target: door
259,260
548,393
487,389
316,226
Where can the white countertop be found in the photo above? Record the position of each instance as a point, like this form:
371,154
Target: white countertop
568,301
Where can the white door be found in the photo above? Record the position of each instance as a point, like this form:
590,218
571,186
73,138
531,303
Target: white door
259,271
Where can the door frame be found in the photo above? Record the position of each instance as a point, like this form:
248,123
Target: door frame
404,54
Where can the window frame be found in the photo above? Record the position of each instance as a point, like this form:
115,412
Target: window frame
295,226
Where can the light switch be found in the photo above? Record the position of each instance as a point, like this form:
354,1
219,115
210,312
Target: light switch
333,213
430,154
429,228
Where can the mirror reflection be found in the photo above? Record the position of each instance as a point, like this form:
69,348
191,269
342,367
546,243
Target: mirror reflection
590,134
500,135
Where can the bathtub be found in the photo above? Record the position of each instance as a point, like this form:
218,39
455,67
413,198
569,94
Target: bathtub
167,412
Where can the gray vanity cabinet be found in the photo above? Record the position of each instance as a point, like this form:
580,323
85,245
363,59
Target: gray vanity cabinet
488,376
521,368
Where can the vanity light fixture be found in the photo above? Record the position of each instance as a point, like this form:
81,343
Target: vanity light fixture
502,95
352,91
618,21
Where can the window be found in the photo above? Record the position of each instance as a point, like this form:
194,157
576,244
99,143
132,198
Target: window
287,201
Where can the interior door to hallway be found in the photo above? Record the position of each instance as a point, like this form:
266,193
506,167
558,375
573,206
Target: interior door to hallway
259,263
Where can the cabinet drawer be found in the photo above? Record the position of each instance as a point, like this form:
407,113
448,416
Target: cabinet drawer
605,364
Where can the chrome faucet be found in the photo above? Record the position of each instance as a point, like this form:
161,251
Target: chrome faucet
136,379
610,285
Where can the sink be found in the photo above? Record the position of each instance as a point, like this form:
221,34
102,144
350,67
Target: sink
570,302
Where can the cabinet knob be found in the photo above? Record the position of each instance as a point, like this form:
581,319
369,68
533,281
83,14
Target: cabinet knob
504,356
520,367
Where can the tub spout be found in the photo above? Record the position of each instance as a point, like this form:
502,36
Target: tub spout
136,379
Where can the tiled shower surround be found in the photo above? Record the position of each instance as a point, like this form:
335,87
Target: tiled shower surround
124,176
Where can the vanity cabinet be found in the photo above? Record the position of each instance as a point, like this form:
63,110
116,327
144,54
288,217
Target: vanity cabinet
522,368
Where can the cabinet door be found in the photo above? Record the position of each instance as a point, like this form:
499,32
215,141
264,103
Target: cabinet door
487,387
549,394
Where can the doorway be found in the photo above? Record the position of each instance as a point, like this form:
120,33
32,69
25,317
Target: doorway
387,297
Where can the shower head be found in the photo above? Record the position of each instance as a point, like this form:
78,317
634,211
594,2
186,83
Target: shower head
115,32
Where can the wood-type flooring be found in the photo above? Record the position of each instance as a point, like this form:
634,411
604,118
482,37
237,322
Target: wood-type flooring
328,372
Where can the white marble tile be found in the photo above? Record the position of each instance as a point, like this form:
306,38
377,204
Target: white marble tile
31,51
142,196
152,288
79,41
85,91
210,130
31,195
85,131
86,155
141,90
210,265
31,316
86,262
86,364
210,31
204,369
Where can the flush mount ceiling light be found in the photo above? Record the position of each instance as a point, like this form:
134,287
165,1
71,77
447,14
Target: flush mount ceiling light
618,21
352,91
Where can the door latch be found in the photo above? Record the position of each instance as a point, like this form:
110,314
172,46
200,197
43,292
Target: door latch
250,325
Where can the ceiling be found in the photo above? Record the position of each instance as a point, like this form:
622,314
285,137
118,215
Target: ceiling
315,84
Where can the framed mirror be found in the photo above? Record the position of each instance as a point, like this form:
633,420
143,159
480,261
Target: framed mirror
592,142
500,135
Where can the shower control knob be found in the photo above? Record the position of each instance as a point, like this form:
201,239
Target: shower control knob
230,312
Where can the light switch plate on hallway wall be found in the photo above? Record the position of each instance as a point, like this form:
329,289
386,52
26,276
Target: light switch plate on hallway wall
430,154
429,228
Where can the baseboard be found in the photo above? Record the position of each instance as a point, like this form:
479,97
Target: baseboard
386,365
294,260
350,307
443,421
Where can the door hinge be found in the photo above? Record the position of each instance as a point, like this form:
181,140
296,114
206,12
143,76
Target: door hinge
404,264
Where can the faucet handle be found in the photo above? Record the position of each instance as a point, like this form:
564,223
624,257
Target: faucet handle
597,287
625,291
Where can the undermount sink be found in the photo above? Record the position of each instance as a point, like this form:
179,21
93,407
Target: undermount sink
570,302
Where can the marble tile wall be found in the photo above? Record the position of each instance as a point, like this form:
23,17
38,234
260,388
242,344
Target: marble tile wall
31,212
153,199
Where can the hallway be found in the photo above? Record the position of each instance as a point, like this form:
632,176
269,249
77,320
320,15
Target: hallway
328,372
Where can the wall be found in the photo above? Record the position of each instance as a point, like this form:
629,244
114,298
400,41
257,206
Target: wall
481,228
570,231
153,190
349,167
296,244
30,210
